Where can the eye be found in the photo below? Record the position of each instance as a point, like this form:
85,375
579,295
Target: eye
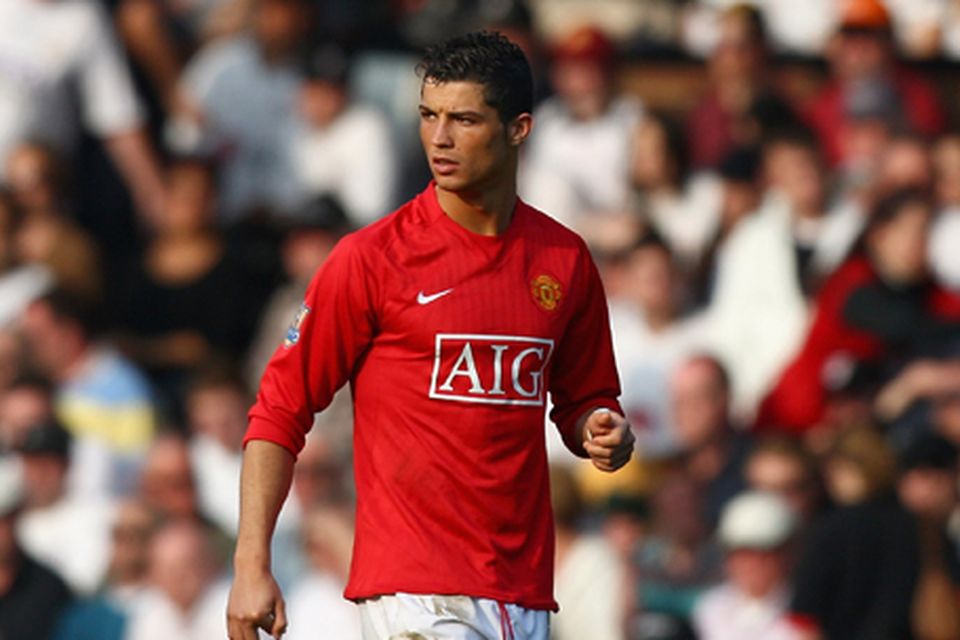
427,115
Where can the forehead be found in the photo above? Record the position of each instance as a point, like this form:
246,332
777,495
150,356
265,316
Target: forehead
459,95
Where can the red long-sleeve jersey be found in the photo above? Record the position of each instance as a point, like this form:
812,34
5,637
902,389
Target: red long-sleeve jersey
450,341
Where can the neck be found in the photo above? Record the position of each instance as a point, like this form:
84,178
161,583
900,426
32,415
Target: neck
486,212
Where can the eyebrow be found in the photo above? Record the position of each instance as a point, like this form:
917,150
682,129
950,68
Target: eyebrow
455,114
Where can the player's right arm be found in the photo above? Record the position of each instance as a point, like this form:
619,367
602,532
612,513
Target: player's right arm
255,599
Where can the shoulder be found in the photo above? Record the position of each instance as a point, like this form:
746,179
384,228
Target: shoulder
552,231
219,56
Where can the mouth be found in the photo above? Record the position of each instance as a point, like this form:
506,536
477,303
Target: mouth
444,166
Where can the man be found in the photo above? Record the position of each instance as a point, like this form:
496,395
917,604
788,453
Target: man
54,55
451,318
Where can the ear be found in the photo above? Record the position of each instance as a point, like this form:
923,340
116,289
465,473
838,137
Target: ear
519,129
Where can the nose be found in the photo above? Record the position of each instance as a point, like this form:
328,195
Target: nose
441,134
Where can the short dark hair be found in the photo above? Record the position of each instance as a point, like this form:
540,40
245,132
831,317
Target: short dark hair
487,58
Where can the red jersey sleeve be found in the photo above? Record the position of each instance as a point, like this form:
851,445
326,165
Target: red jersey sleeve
330,332
584,372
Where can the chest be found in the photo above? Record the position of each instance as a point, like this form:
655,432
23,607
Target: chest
483,329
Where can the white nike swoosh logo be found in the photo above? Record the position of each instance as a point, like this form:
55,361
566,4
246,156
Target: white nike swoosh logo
422,298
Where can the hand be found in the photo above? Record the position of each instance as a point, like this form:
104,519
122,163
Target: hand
255,603
607,439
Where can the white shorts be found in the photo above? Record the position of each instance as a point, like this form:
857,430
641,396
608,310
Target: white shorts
406,616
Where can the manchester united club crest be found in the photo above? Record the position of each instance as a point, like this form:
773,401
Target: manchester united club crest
293,331
546,292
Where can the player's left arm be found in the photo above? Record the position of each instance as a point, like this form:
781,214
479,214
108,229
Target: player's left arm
584,383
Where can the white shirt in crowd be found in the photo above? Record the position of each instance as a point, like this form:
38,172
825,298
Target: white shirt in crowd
589,586
646,359
155,617
72,537
246,103
572,167
758,315
353,159
726,613
317,602
48,50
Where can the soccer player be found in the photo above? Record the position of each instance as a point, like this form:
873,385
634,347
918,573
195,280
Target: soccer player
452,318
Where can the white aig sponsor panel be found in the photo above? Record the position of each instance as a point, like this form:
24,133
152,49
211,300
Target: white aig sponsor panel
490,369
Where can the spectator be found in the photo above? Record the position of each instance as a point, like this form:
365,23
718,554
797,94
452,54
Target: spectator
650,338
756,530
187,598
36,90
167,483
46,234
879,309
31,596
217,404
713,451
868,594
757,316
307,242
338,147
684,209
69,533
741,104
863,62
24,403
100,397
316,601
591,581
104,617
928,489
677,562
781,466
242,91
587,118
183,301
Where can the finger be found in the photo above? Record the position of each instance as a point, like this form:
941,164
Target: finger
238,630
611,439
598,452
280,621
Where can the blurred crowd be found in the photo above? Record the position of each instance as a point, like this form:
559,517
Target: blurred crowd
780,251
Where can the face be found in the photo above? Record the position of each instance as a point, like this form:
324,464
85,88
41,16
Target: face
44,479
584,86
859,55
181,564
131,538
31,174
929,493
219,413
51,342
20,409
756,573
787,477
898,248
946,161
280,25
321,102
846,482
737,55
167,482
651,280
700,403
467,146
190,201
794,171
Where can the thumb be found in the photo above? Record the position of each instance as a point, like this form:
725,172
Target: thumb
280,619
603,419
